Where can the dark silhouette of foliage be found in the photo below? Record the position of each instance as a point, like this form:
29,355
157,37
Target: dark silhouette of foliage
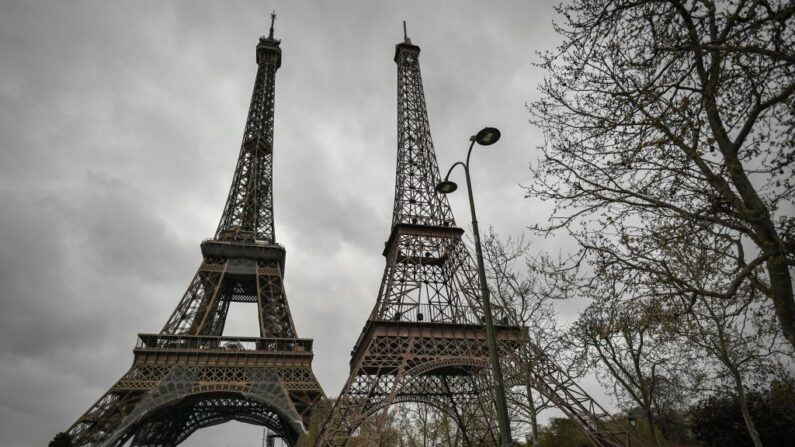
718,421
561,432
61,440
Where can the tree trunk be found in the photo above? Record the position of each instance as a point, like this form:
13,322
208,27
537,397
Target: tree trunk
781,289
766,237
652,427
749,422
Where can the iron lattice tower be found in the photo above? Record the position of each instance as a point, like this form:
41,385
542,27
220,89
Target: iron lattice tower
189,376
424,341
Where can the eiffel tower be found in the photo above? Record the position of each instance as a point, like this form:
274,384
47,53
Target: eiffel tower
424,341
189,376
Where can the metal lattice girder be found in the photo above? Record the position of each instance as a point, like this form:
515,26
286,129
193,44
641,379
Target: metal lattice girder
248,214
440,364
428,275
269,374
416,200
219,282
531,364
189,376
424,341
174,424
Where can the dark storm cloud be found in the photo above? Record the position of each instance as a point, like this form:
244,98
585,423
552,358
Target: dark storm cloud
120,126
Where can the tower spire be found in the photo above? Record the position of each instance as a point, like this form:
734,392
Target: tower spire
273,19
405,34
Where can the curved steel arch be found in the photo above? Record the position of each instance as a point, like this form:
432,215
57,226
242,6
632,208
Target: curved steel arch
439,402
425,400
426,367
175,420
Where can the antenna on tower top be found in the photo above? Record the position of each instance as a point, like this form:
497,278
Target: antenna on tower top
273,19
405,35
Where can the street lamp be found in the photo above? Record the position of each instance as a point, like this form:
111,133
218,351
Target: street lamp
486,137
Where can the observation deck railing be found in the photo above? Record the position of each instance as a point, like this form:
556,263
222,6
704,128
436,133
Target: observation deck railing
442,313
160,342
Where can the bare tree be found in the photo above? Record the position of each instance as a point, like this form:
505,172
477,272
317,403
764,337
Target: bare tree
741,340
514,283
422,425
668,116
620,337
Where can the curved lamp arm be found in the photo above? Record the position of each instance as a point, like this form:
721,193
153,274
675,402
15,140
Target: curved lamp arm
469,152
449,171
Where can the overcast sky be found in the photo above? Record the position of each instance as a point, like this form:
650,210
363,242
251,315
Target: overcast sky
120,126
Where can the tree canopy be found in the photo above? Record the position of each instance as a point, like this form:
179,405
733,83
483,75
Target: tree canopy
669,144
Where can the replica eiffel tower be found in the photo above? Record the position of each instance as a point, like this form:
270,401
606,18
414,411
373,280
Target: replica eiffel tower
189,376
424,341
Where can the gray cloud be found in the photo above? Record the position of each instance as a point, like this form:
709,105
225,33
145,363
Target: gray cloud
120,126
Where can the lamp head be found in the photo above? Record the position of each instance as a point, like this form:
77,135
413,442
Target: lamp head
446,187
487,136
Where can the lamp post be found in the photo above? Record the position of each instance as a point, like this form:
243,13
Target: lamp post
487,136
633,420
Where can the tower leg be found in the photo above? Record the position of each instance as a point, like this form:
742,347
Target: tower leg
162,406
